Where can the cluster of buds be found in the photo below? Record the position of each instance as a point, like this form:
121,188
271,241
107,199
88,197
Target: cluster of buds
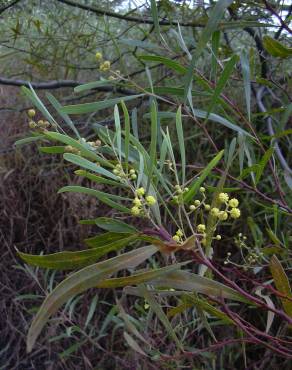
200,203
71,149
141,202
40,125
230,208
94,144
120,173
201,229
178,194
177,237
104,65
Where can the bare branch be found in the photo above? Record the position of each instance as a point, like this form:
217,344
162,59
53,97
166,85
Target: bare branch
2,10
61,84
127,17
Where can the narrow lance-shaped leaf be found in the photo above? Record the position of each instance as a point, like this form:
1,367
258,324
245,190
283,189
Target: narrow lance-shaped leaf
153,143
212,25
114,225
82,162
244,58
118,133
65,116
275,48
282,284
262,164
127,134
224,77
103,197
149,297
96,106
181,142
197,183
81,281
155,17
71,260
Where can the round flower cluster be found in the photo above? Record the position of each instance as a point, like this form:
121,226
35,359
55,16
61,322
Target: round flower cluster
141,201
40,125
200,203
201,229
94,144
178,194
104,65
119,171
230,208
71,149
177,237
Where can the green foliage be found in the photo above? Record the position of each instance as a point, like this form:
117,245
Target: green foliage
166,153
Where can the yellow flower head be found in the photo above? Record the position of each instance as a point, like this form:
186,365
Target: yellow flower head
135,211
140,192
105,66
235,213
179,233
233,202
222,215
214,211
31,113
137,202
201,228
150,200
98,56
176,238
223,197
32,124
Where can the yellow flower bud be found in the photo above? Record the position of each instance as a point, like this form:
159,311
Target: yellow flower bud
98,143
176,238
31,113
197,202
150,200
140,192
32,124
214,211
98,56
207,207
222,215
135,211
218,237
132,171
201,228
223,197
105,66
69,148
233,203
202,189
179,233
192,207
137,202
235,213
133,177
